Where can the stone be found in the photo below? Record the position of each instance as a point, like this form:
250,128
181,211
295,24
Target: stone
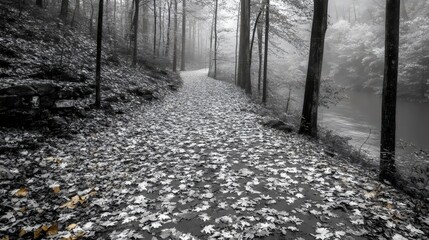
64,104
46,89
9,102
47,101
22,91
5,174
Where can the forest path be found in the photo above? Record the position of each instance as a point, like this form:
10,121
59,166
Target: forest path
207,167
197,164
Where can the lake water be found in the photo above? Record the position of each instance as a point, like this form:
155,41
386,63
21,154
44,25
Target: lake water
359,117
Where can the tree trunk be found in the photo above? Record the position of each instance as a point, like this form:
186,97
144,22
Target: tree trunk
154,27
211,49
175,38
236,45
267,31
314,72
64,10
160,30
215,40
253,36
76,13
115,40
243,58
260,54
145,25
91,20
388,112
136,30
98,61
167,47
182,62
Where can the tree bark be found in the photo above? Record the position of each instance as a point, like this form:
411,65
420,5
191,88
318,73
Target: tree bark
314,72
160,31
215,40
64,10
182,62
154,27
136,30
260,54
236,45
243,58
211,48
98,61
91,20
167,47
145,25
253,36
267,31
76,13
390,82
175,38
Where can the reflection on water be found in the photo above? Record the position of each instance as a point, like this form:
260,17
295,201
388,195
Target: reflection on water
360,114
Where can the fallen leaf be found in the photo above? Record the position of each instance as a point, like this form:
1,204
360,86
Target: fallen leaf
56,189
22,232
22,192
71,227
52,230
73,202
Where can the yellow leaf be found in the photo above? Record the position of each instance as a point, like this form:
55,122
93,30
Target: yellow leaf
22,192
37,233
5,238
389,206
71,226
56,189
52,230
22,232
73,202
55,160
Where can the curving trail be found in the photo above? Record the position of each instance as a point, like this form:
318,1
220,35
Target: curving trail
198,164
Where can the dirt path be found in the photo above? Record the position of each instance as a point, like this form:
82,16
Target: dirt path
199,165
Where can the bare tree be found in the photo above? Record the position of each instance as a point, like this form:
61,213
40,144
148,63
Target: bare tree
314,72
388,115
136,27
64,10
167,47
154,27
175,38
183,59
267,31
244,48
98,61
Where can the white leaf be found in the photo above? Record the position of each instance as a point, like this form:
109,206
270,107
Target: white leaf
209,229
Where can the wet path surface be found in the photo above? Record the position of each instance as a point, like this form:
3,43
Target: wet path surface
199,164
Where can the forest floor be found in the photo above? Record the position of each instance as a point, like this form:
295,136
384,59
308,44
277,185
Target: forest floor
197,165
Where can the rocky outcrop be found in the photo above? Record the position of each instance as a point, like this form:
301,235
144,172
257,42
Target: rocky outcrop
24,105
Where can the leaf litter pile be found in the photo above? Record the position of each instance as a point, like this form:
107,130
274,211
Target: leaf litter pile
197,165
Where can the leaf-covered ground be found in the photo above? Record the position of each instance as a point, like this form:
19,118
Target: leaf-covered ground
196,165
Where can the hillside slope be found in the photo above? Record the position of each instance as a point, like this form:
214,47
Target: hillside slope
48,69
